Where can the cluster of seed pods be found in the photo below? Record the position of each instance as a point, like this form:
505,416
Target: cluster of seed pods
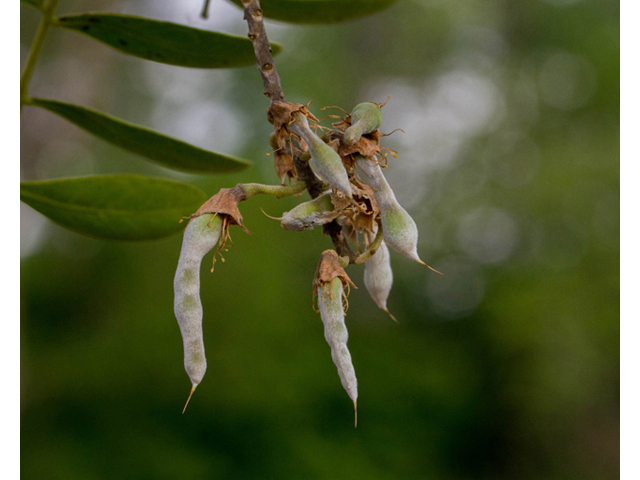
377,215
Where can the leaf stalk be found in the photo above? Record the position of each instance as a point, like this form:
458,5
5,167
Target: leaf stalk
48,18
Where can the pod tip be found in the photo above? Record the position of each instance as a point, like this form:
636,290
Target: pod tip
355,411
389,313
269,216
193,389
429,267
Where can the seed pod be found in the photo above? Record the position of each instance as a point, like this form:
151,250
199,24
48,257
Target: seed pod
200,236
328,284
378,277
365,118
324,159
335,332
309,214
400,231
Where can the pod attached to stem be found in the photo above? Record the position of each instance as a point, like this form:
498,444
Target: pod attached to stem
200,236
378,276
324,159
329,283
365,118
309,214
400,230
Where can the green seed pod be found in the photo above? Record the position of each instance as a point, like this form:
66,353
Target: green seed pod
365,118
400,231
378,277
335,332
324,159
200,236
309,214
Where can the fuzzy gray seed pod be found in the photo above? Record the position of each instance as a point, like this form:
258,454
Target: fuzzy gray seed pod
365,118
309,214
200,236
335,332
324,159
400,231
378,276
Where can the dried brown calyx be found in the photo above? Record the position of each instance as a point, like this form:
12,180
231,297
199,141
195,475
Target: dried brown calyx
362,211
224,204
329,268
283,161
280,114
368,146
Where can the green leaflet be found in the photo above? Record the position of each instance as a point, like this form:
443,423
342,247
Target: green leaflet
115,207
167,151
319,11
165,42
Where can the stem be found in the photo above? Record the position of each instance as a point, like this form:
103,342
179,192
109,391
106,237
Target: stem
48,17
334,230
278,191
262,49
373,248
205,10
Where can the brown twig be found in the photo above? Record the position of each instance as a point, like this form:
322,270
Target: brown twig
273,90
262,49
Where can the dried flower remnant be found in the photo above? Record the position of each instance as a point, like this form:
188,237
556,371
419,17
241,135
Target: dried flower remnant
359,212
283,161
200,236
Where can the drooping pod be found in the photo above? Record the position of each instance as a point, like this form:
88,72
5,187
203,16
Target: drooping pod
400,231
365,118
378,276
324,159
309,214
200,236
328,284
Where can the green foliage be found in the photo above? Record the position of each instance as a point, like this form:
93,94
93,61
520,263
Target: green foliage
320,11
167,151
165,42
114,207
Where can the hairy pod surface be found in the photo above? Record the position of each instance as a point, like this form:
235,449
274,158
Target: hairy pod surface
309,214
335,332
324,159
400,231
365,118
200,236
378,276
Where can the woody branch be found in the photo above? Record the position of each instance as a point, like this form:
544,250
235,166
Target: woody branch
273,90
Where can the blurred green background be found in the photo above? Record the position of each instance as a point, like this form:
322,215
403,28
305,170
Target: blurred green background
505,367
